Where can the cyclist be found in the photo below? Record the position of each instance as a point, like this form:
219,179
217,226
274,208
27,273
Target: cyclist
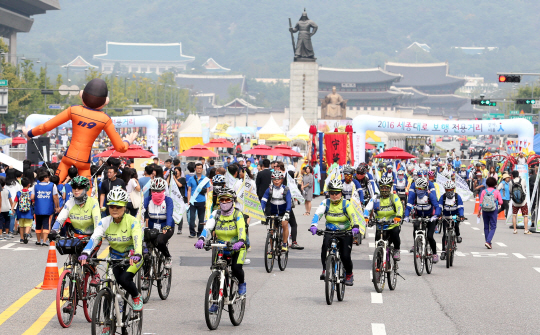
340,215
84,214
229,226
124,234
387,206
400,186
218,181
279,197
351,185
431,177
389,172
158,213
450,204
424,202
463,173
366,182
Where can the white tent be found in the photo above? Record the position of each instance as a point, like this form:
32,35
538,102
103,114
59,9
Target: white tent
190,133
270,129
300,128
10,161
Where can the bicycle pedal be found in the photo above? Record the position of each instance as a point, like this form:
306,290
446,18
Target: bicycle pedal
400,276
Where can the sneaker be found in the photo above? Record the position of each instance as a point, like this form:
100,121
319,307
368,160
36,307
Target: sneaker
179,232
249,248
323,275
269,256
168,263
515,231
488,245
443,255
30,235
192,236
296,246
96,280
247,261
349,279
25,239
137,303
242,288
435,259
459,239
21,241
284,247
38,243
44,244
527,232
213,309
397,255
2,238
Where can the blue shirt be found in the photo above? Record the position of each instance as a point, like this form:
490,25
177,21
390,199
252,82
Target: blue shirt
143,181
505,190
193,182
25,215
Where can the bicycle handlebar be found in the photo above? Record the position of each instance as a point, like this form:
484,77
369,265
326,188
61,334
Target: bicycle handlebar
225,246
123,261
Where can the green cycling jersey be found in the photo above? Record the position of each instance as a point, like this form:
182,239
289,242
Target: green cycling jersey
385,208
339,216
83,218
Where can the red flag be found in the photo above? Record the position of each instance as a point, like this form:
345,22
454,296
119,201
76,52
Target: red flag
336,146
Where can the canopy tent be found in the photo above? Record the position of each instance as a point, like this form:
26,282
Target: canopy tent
234,132
300,128
285,150
5,140
10,161
18,140
395,153
262,150
270,129
246,130
219,143
279,138
190,133
199,151
222,135
134,151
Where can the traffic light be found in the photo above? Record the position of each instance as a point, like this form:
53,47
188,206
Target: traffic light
525,101
483,102
509,78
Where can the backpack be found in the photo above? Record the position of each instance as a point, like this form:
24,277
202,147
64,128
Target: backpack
24,202
342,206
488,202
517,194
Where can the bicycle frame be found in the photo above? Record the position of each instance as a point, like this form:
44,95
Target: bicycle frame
422,231
222,265
383,242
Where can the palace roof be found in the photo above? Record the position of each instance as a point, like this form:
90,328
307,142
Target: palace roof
358,76
79,62
424,75
212,66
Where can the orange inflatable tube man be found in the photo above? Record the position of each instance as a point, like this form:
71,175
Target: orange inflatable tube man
88,121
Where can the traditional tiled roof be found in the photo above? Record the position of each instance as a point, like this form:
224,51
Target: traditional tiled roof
445,99
424,75
150,52
422,46
79,62
382,95
217,84
212,66
358,76
240,103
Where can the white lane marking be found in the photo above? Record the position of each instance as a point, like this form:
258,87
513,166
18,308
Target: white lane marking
466,222
370,274
370,257
376,298
500,244
10,245
372,244
371,235
518,255
459,253
537,269
475,228
255,223
378,329
439,246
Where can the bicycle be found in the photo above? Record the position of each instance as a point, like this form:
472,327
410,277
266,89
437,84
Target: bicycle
222,288
74,283
423,255
450,241
107,308
272,247
384,265
152,269
334,272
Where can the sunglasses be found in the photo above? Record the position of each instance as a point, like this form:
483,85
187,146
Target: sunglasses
115,207
77,188
334,192
360,173
225,200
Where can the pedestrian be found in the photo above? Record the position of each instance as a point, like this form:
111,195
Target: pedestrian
173,152
519,201
6,204
107,186
263,179
46,203
197,187
490,200
307,188
176,177
504,189
133,188
493,173
13,186
478,184
24,212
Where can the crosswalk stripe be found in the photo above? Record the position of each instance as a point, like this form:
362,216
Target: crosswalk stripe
475,228
537,269
376,298
372,244
519,255
500,244
459,253
378,329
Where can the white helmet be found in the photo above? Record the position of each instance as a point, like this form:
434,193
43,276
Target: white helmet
218,179
158,184
278,174
335,184
117,196
421,182
400,172
449,185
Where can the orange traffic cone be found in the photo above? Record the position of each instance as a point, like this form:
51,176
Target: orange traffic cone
501,216
477,205
50,280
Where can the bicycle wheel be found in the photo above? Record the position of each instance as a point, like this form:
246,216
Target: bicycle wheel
330,279
132,320
146,275
282,257
237,304
66,299
392,275
213,288
453,250
89,293
439,227
269,253
165,279
378,270
103,317
340,276
429,259
418,256
448,249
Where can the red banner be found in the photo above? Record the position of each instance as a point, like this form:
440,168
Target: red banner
336,146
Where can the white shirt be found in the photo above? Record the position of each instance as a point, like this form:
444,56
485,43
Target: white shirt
132,184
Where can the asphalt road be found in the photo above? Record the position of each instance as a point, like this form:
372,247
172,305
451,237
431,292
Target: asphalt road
486,292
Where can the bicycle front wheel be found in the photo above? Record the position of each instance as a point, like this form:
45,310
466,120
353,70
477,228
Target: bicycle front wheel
89,293
330,279
453,250
165,280
237,304
392,275
340,280
448,248
377,270
213,305
429,259
146,281
418,256
269,253
132,320
66,299
103,317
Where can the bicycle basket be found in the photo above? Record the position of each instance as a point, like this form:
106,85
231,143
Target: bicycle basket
150,235
70,246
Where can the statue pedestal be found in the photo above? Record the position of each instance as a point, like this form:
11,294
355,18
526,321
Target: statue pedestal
304,88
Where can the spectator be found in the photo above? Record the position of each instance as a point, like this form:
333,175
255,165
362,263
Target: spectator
147,175
227,163
307,187
25,214
493,173
211,168
478,184
197,187
46,203
519,201
133,188
107,185
504,190
264,178
521,159
176,177
174,152
489,214
168,164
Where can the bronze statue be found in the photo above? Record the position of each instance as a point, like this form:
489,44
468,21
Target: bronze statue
303,51
333,106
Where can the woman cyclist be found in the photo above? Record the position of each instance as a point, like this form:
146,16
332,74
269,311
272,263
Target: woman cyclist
124,234
387,206
340,215
159,214
228,224
84,214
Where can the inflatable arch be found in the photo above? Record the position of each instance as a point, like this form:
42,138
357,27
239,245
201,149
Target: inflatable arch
521,127
148,121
